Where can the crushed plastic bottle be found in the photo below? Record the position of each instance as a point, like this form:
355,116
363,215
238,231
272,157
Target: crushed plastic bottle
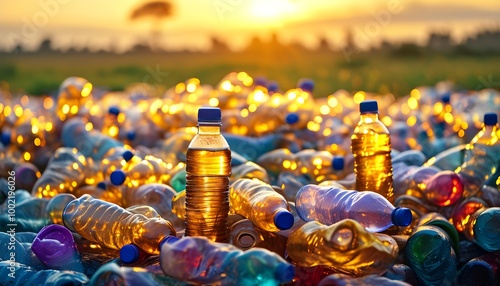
199,260
346,246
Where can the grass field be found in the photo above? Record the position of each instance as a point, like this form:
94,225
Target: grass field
37,73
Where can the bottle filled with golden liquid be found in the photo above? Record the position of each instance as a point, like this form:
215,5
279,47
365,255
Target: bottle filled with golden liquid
371,147
208,169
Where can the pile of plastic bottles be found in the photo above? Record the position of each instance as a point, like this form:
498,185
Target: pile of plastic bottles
93,187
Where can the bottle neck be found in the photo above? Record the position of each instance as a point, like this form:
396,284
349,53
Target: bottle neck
209,129
369,117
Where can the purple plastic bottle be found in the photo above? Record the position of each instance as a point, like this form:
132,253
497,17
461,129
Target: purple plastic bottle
330,205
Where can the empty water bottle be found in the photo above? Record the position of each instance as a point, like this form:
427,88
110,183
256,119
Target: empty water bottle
346,246
371,147
93,219
222,263
330,205
260,203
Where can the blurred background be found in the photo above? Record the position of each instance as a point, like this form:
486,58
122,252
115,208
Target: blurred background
382,46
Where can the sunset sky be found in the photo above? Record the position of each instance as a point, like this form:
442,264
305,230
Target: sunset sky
101,24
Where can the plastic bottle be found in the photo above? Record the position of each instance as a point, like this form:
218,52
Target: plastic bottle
482,270
158,196
55,247
481,158
260,203
18,250
29,215
431,256
64,173
245,235
330,205
113,274
111,125
342,279
21,274
75,94
371,147
462,213
208,169
78,133
444,188
277,161
345,246
315,165
449,159
483,228
113,226
249,170
199,260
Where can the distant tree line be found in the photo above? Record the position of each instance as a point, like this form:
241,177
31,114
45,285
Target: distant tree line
484,41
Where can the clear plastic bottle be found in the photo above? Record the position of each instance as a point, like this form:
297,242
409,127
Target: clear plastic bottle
483,228
113,226
371,147
345,246
74,97
330,205
199,260
64,173
208,169
481,158
260,203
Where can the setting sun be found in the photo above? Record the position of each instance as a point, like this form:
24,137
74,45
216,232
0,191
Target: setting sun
276,9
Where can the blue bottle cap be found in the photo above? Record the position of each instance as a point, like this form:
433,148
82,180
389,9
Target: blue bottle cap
5,138
283,219
209,114
117,177
306,84
131,135
292,118
101,185
273,86
338,163
368,106
260,81
490,119
445,98
127,155
168,239
285,272
114,110
129,253
401,216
